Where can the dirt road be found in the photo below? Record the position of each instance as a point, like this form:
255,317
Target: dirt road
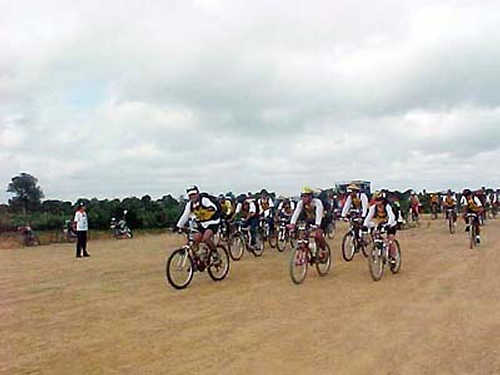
114,314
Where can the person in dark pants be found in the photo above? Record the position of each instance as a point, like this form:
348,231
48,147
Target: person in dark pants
81,225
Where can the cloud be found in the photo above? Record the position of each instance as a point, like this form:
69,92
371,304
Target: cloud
119,98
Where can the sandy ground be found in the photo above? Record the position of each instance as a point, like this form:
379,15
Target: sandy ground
114,313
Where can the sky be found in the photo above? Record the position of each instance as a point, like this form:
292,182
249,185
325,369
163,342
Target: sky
110,99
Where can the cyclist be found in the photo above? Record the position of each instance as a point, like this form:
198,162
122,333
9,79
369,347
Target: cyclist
434,202
247,209
381,214
226,206
207,212
357,200
311,210
414,205
266,208
450,202
286,208
472,205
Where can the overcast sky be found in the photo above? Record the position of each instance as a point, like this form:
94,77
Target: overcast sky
118,98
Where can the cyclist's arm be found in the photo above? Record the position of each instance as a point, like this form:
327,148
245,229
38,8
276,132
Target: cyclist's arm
319,212
185,216
391,219
364,203
369,216
296,213
347,206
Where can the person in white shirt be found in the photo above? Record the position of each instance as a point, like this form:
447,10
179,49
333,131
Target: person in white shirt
450,203
81,226
313,213
381,213
357,200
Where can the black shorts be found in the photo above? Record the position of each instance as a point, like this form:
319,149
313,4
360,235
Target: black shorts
391,230
212,227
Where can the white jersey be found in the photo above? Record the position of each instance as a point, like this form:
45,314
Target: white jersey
81,221
315,205
265,206
348,203
391,218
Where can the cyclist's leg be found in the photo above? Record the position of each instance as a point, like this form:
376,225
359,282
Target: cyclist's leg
391,235
319,235
208,234
253,223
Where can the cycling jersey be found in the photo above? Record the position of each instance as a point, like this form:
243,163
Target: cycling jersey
206,211
266,206
248,207
313,211
450,201
377,215
360,203
474,204
286,209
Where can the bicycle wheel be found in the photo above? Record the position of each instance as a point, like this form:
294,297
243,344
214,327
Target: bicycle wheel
273,240
179,269
281,241
330,230
376,263
324,262
258,249
366,244
236,247
298,265
451,225
395,267
218,267
348,246
472,236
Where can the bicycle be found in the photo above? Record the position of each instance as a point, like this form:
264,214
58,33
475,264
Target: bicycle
241,241
434,211
284,235
473,221
265,230
352,242
305,254
451,217
223,236
379,255
190,258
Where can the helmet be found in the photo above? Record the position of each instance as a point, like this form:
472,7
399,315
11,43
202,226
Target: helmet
377,196
352,187
306,190
241,198
192,190
466,192
264,191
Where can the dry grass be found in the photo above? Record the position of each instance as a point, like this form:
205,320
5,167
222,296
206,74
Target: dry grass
114,314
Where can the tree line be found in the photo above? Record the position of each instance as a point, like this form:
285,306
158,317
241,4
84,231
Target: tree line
27,208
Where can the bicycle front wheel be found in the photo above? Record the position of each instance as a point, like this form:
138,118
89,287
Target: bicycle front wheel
348,247
376,263
237,247
218,267
324,261
298,265
258,249
330,230
179,269
396,266
282,240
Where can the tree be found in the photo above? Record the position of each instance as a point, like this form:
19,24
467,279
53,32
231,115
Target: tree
27,194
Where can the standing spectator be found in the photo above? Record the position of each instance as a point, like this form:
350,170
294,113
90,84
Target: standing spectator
81,226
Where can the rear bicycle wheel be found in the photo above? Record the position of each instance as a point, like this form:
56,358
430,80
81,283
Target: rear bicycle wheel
236,247
376,263
472,236
395,267
218,267
348,246
324,261
179,269
298,265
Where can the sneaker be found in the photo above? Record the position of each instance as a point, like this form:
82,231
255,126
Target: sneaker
78,256
86,255
478,240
